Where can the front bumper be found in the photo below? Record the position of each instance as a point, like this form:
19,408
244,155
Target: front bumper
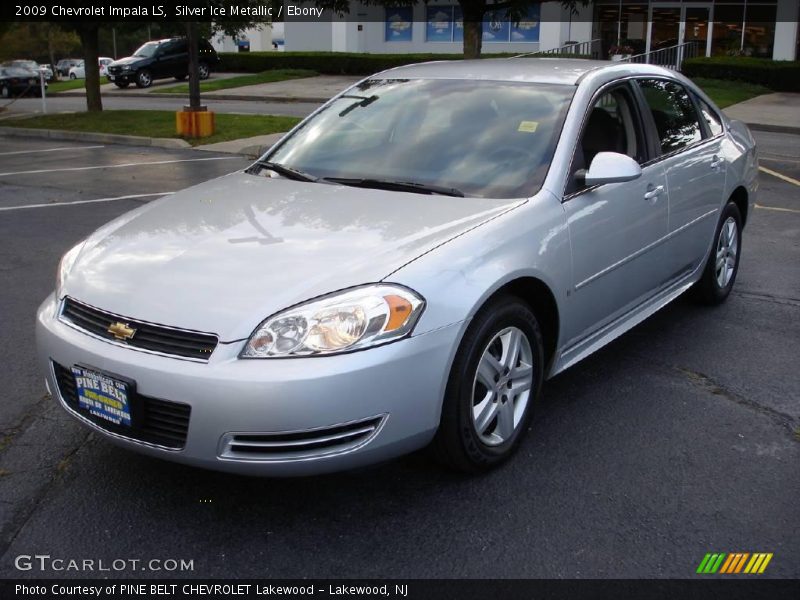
398,388
124,77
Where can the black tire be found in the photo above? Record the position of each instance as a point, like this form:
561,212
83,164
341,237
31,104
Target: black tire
144,78
203,71
122,84
73,76
457,443
708,289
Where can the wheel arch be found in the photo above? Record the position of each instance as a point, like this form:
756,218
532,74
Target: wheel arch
539,297
740,197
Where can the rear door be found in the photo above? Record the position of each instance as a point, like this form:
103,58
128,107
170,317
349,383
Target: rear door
614,229
690,138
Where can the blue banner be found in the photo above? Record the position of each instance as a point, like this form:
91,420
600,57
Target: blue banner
439,26
398,24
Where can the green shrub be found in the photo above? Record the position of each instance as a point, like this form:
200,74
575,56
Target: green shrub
777,75
331,63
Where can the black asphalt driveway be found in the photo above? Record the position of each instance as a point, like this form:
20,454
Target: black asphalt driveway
680,438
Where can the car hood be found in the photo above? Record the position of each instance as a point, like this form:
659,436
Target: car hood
222,256
128,60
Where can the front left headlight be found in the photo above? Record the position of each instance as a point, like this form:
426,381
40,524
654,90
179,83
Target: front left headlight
349,320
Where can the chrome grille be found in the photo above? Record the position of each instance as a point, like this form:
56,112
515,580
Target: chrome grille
149,337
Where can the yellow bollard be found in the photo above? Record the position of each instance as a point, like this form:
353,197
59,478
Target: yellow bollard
194,123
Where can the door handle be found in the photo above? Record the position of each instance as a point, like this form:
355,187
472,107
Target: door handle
716,161
653,192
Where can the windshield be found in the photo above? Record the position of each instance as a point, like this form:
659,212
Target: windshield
17,72
147,50
484,138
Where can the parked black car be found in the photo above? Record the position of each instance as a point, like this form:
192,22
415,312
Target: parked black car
158,60
65,64
16,81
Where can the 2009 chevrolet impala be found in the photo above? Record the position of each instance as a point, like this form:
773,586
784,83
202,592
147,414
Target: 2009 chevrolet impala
404,268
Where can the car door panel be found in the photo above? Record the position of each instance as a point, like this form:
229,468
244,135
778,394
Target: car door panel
615,234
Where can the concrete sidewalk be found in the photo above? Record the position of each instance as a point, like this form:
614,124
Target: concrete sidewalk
779,112
307,89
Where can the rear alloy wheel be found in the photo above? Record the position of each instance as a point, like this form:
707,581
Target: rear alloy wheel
203,71
495,380
723,263
144,78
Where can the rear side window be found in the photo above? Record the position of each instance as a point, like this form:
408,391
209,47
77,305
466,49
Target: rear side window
674,114
711,117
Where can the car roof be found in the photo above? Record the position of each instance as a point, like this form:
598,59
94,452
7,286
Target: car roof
565,71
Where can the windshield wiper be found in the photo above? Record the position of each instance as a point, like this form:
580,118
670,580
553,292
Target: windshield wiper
365,101
399,186
280,169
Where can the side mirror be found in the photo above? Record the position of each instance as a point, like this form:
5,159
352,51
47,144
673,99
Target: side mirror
612,167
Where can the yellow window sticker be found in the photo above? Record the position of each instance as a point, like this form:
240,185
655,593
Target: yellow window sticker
528,126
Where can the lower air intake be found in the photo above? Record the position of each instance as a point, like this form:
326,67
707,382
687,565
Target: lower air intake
300,445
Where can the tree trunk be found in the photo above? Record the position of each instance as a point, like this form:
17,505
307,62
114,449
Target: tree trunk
88,35
473,12
194,59
51,52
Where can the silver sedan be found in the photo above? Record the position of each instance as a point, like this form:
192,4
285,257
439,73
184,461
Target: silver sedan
403,269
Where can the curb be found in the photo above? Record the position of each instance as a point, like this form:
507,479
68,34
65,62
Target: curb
774,128
207,96
84,136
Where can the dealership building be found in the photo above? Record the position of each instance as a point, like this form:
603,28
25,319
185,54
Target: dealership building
760,28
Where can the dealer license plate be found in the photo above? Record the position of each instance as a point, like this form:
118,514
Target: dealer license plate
103,396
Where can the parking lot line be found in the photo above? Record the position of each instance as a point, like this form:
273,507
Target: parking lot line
51,150
778,208
110,199
139,164
780,176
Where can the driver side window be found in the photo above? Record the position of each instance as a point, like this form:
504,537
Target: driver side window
609,127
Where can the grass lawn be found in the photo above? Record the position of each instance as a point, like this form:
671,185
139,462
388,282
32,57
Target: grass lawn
156,123
725,92
69,84
234,82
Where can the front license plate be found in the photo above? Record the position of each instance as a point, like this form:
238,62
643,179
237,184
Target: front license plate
103,396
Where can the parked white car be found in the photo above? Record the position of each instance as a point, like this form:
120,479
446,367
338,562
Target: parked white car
79,70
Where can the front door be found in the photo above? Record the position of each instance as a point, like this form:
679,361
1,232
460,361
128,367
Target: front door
614,228
672,24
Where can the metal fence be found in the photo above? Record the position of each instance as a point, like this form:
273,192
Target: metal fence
671,57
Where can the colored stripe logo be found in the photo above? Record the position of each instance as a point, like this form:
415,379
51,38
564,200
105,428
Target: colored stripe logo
734,563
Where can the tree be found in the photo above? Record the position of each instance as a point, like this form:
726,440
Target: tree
473,12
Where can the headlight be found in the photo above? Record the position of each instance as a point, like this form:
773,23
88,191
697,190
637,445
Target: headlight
344,321
126,67
65,266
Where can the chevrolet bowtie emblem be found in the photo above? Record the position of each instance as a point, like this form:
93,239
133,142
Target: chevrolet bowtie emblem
121,331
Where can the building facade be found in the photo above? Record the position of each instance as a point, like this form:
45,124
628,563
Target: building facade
760,28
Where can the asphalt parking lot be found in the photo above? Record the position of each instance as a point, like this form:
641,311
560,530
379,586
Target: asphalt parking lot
680,438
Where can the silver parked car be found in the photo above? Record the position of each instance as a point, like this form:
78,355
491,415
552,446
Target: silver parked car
405,268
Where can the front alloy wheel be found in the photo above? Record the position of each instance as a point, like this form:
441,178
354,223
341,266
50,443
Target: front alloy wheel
502,386
203,71
144,78
494,382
